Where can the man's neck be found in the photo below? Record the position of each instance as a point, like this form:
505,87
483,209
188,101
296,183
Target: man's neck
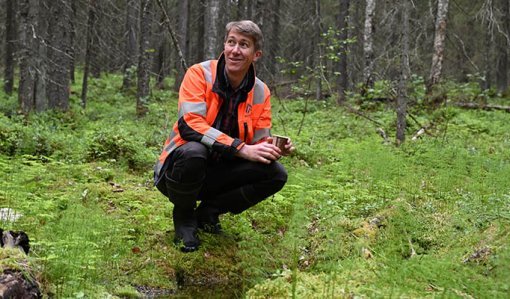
235,80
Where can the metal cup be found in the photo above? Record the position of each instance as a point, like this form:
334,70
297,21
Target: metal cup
280,141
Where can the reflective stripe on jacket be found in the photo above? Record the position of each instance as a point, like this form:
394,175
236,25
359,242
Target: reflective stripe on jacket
198,107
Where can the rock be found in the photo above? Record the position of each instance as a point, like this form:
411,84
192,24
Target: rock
9,215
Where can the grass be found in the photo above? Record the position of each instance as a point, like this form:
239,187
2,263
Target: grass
358,217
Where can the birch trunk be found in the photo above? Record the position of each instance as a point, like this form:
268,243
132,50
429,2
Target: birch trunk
368,43
439,44
212,13
342,66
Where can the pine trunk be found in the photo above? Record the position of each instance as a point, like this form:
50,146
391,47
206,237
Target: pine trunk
88,51
503,45
27,55
144,59
183,8
131,49
10,38
58,83
404,74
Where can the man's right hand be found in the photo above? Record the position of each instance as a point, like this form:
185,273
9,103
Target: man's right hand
263,152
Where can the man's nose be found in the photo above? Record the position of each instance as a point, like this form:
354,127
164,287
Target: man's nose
236,48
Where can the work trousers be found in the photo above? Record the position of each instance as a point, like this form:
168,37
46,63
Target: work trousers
233,185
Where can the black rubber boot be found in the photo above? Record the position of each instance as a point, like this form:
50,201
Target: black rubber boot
183,196
185,225
208,218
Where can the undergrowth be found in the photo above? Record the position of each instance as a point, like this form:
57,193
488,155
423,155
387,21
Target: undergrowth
359,217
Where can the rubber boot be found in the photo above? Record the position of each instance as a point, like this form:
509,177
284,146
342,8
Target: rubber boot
234,201
184,197
208,218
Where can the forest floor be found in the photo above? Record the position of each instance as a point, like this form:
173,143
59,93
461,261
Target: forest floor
359,217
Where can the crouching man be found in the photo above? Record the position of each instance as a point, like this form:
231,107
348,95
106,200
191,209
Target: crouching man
219,151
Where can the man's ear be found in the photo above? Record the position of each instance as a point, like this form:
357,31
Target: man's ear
258,54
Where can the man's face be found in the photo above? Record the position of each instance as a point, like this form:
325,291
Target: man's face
239,52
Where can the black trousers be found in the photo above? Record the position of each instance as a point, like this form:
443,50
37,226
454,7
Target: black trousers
230,185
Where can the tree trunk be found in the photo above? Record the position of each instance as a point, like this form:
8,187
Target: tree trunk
31,55
96,55
183,8
241,10
58,55
211,43
343,28
404,74
160,59
318,69
88,51
439,45
144,59
368,44
487,83
274,40
10,38
503,44
72,52
131,49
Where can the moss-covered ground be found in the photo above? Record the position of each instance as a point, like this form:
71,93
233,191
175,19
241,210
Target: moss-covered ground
358,217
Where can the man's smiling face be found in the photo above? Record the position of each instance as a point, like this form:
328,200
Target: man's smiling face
239,52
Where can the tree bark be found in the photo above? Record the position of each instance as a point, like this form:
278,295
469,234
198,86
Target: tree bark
404,74
131,49
439,45
274,40
183,8
368,44
142,96
72,52
58,83
212,12
503,45
343,30
28,55
10,38
91,20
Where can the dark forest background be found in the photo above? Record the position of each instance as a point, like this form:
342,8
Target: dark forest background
330,48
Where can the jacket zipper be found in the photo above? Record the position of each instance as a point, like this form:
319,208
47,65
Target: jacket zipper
245,131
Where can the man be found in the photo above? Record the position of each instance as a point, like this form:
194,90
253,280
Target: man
219,151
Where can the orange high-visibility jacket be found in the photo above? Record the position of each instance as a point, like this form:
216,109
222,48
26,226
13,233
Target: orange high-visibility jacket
199,105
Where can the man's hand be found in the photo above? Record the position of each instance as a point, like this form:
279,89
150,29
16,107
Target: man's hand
288,147
263,152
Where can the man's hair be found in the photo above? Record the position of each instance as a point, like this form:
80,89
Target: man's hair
248,28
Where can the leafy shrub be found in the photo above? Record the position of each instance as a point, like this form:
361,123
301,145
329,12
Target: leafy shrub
117,143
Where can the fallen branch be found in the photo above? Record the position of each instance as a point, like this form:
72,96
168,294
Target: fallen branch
359,113
481,106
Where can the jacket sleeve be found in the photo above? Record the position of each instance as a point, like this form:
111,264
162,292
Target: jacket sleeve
192,124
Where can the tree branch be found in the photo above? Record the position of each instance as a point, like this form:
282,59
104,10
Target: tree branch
172,34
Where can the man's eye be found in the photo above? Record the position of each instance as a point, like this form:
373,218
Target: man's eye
231,43
244,45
